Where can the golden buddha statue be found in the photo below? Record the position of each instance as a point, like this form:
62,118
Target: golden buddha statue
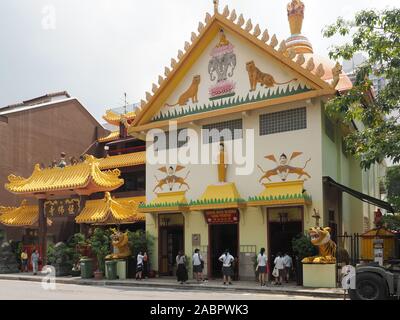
222,166
223,41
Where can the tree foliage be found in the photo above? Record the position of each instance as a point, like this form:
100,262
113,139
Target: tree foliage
377,35
393,187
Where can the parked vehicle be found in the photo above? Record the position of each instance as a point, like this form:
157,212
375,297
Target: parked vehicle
374,282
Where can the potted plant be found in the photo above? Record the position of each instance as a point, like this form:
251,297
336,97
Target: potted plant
100,244
302,248
76,243
59,256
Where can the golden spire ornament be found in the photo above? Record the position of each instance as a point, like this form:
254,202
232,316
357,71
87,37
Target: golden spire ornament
216,5
295,12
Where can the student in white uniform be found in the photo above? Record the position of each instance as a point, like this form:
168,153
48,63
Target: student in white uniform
139,266
227,269
280,269
198,265
262,262
288,266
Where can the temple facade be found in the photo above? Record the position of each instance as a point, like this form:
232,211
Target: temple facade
241,154
232,149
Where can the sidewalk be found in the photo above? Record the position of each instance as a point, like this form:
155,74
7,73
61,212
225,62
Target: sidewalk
170,283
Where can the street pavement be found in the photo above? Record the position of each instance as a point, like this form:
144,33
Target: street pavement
25,290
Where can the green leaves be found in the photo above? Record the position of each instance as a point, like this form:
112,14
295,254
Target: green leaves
393,189
377,36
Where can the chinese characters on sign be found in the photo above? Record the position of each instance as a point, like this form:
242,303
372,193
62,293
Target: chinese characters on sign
222,216
62,208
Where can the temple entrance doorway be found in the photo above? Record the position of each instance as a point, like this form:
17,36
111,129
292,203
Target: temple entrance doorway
171,241
223,234
284,224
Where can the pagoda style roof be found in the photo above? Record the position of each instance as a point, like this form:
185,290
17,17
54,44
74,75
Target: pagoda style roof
115,118
111,211
123,160
220,196
23,216
83,178
111,137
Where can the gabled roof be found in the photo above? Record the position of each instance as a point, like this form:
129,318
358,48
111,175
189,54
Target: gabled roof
307,71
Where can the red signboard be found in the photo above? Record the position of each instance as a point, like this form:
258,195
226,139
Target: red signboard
222,216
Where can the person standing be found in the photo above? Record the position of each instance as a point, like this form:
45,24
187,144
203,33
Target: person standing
145,265
280,269
139,266
198,265
181,273
24,260
227,269
262,261
35,261
287,260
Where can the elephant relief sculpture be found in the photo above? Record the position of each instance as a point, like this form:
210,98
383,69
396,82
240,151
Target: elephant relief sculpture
222,67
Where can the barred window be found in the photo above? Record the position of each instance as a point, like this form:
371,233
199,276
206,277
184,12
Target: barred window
177,142
329,129
223,131
283,121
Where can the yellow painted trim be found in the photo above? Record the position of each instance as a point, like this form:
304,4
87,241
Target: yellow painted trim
232,110
195,51
275,203
232,205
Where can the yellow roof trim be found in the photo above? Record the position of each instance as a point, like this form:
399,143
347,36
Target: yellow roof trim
110,211
124,160
200,42
167,202
219,196
24,216
281,193
82,178
111,137
115,119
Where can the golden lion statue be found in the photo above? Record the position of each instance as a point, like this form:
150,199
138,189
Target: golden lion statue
120,244
321,238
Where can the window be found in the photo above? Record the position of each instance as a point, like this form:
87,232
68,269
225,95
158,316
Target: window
283,121
181,140
223,131
329,129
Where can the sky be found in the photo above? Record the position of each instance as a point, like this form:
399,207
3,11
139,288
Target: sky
99,49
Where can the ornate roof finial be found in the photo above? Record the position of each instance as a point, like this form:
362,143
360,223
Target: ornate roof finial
216,5
297,41
296,16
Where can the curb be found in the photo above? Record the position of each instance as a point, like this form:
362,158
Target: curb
188,287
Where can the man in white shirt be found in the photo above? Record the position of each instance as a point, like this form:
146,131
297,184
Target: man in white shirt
288,262
227,269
